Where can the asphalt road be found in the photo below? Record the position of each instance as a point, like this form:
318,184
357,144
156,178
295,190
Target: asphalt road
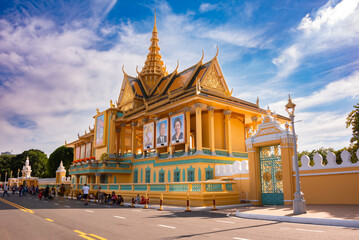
29,218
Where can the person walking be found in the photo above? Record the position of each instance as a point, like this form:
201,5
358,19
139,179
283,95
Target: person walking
85,191
6,188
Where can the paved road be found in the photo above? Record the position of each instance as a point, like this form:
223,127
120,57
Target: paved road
28,218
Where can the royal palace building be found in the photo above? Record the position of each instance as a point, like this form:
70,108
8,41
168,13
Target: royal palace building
180,135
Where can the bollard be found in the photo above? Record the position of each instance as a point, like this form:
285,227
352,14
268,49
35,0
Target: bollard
188,209
214,204
146,206
133,202
161,203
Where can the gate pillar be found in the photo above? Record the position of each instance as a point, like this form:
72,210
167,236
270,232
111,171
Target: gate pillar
270,133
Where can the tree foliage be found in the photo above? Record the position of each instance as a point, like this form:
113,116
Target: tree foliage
63,154
37,159
5,165
353,121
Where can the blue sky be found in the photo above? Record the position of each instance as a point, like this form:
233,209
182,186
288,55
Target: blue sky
60,60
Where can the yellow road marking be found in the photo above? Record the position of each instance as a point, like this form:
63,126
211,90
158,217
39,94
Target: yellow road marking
85,235
101,238
17,206
48,219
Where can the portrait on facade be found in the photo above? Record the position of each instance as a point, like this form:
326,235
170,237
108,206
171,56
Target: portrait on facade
100,125
177,129
149,135
88,150
83,151
162,133
78,153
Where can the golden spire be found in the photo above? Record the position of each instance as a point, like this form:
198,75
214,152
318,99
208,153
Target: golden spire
154,69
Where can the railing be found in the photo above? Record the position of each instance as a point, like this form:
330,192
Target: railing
214,187
222,152
202,186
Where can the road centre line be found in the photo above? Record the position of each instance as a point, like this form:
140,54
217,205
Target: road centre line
86,235
309,230
89,211
48,219
240,238
160,225
24,209
119,217
223,221
67,206
135,210
56,204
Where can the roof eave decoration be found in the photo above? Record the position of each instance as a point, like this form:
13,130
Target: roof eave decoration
195,71
213,78
168,80
125,100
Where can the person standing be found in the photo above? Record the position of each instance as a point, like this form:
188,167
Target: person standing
85,191
6,188
62,191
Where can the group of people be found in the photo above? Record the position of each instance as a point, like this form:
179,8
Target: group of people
104,198
101,196
22,190
46,193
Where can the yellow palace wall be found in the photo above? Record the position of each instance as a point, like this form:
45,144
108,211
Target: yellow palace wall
330,186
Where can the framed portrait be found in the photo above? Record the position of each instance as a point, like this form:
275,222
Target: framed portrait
83,151
77,153
149,136
177,129
88,150
100,130
162,133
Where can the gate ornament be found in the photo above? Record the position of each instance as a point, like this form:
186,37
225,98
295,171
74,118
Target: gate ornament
267,176
279,176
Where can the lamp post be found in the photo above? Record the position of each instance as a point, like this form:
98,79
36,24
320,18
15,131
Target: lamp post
299,205
18,175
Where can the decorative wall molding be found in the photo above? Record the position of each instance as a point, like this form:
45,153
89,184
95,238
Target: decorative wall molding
238,167
331,158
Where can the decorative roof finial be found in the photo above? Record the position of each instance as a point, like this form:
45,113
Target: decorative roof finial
154,68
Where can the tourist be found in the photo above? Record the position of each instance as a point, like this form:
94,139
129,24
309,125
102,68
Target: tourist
137,199
36,190
113,198
119,200
40,194
13,190
20,191
85,191
100,195
46,192
62,190
6,188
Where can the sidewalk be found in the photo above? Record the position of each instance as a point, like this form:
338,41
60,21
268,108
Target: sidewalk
332,215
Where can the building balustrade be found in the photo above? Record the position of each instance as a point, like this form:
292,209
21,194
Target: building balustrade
200,186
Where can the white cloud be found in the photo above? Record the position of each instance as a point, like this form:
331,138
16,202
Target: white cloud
206,7
347,87
323,128
330,28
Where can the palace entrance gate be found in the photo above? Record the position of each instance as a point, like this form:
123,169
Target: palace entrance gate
271,175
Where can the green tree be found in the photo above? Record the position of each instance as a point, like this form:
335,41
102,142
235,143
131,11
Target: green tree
353,121
63,154
37,158
5,166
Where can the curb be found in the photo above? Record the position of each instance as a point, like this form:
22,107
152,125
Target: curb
169,208
316,221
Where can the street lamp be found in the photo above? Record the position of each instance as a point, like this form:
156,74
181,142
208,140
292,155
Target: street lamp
299,205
